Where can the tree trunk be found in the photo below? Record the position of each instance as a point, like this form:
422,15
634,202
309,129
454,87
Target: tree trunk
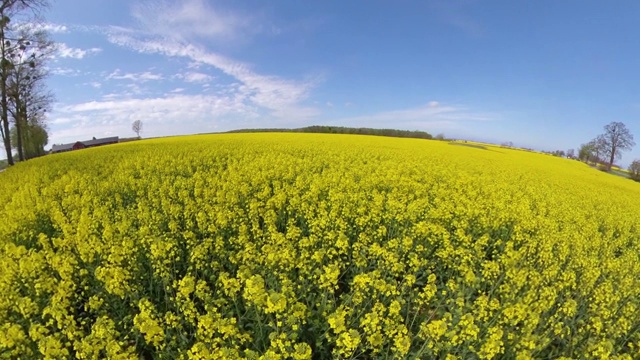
4,112
19,131
5,121
27,143
613,155
26,138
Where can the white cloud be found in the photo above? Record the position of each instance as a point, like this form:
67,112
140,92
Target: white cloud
245,98
194,65
54,28
94,84
195,77
49,27
62,71
134,89
281,96
186,19
64,51
112,96
169,108
61,120
161,115
136,77
177,29
432,116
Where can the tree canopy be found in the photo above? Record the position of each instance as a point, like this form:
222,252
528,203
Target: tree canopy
616,138
24,50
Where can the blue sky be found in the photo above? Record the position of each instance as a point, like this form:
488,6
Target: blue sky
542,74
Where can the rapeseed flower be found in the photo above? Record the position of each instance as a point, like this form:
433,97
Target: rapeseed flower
279,246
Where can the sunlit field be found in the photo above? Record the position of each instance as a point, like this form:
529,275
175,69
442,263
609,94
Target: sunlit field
315,246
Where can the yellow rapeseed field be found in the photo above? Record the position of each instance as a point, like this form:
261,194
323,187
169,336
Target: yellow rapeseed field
300,246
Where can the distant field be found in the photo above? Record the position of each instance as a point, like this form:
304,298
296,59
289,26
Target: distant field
302,246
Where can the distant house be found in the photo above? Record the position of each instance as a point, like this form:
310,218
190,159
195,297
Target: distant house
84,144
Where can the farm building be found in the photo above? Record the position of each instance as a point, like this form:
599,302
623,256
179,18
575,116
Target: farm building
84,144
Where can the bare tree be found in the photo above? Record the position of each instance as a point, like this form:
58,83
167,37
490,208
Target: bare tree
137,127
616,138
28,97
10,10
599,147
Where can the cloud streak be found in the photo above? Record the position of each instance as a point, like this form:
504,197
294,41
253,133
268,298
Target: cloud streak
281,96
428,117
180,28
187,113
195,77
188,19
64,51
135,77
54,28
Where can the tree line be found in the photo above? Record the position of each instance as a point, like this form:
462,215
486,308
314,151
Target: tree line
350,130
25,48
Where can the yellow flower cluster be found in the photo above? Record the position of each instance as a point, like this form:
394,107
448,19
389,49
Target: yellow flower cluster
299,246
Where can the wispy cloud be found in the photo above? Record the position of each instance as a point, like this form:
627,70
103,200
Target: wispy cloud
63,71
135,77
54,28
243,97
431,116
182,113
189,19
456,14
284,98
195,77
64,51
94,84
179,103
49,27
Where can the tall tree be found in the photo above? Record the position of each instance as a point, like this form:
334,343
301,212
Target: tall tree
616,138
9,10
28,97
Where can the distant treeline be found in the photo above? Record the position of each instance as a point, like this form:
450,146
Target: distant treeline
347,130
